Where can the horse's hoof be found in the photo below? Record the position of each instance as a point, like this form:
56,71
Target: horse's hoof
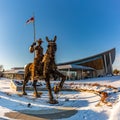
36,95
53,101
24,93
56,89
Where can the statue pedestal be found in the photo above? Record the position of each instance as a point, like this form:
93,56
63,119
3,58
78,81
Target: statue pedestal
17,85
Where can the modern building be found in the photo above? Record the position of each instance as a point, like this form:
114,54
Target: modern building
93,66
14,73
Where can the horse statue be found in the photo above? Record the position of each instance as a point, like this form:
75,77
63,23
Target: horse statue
49,69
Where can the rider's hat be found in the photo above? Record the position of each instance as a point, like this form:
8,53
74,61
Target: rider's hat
39,40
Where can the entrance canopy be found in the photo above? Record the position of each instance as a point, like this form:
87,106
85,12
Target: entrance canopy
74,67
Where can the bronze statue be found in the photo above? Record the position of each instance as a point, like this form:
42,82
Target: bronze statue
37,66
49,68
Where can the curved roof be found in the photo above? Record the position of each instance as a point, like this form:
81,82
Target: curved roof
73,67
91,58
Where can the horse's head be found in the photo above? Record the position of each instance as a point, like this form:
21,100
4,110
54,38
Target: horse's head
52,47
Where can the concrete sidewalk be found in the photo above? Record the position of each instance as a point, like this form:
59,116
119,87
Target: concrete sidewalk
50,114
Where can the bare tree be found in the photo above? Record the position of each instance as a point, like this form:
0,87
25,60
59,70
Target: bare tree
1,67
1,70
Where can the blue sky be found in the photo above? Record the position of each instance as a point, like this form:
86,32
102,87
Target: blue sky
83,28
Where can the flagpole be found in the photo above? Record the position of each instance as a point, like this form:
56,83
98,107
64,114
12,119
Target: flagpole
34,32
32,19
34,29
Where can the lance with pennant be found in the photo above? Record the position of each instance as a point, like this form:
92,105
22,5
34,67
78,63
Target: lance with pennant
32,20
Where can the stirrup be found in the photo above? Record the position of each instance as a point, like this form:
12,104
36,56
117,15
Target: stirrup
36,77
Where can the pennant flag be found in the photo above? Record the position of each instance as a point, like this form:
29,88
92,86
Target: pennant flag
30,20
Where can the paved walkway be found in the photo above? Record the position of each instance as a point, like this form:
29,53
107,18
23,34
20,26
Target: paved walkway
50,114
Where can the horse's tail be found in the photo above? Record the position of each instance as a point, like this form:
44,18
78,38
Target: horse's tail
27,71
27,66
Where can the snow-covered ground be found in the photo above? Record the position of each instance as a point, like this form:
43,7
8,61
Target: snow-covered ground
84,102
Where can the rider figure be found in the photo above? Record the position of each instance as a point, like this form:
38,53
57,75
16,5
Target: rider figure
37,65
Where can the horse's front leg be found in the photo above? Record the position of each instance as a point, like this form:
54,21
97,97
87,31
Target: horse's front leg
26,79
51,98
35,89
60,85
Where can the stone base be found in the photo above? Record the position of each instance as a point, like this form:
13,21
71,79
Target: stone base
18,84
